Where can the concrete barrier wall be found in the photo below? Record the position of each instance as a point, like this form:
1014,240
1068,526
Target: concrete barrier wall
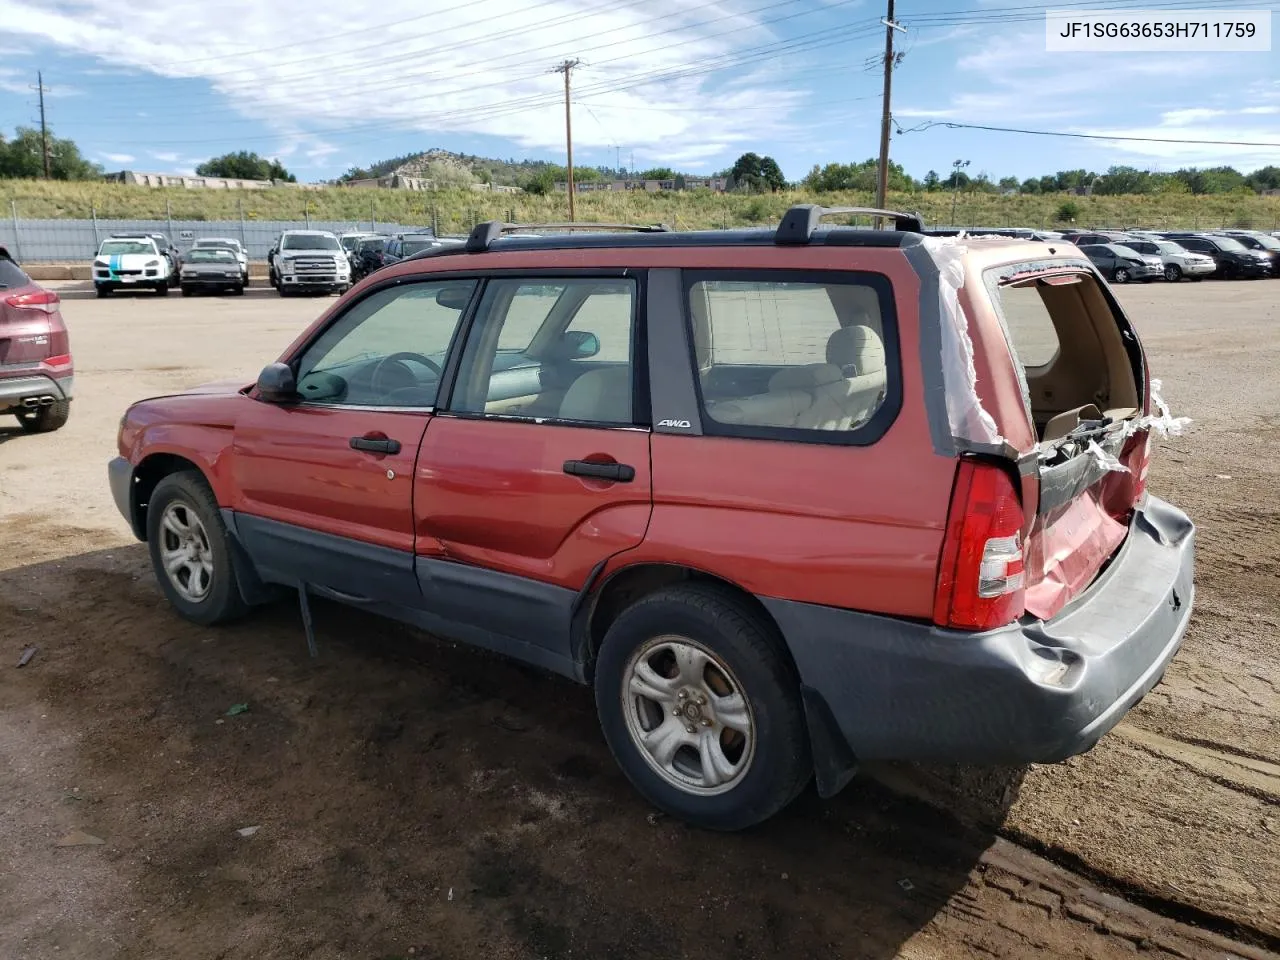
73,241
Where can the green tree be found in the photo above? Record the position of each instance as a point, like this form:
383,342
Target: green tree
771,175
1124,180
931,181
1009,183
657,173
1266,178
244,165
1030,185
1067,211
22,157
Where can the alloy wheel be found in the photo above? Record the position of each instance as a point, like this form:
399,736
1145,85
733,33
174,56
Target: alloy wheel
688,715
185,552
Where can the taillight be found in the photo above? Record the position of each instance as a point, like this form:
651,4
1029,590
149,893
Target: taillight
45,301
981,577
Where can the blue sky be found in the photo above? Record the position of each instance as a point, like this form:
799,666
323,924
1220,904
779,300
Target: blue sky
161,86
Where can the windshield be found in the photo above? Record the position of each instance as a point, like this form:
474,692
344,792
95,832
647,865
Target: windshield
1121,250
350,243
211,243
211,255
1267,243
1168,246
1226,243
120,247
414,246
376,246
310,242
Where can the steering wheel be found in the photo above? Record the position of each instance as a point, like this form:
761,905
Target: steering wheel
385,365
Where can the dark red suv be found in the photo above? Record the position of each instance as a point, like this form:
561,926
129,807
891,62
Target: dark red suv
36,372
787,499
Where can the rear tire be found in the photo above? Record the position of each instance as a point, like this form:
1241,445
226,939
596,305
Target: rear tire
715,677
46,419
185,529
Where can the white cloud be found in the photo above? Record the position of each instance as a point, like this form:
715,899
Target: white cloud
445,70
1180,118
119,157
164,157
1260,111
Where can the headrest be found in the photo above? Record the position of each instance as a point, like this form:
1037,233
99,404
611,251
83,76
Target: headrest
856,350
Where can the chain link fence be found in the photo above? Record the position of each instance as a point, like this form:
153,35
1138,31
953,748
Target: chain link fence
76,241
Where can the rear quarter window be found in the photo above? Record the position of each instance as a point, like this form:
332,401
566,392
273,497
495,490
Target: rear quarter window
808,356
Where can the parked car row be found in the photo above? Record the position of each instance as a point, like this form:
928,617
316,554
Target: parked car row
369,252
148,261
1227,255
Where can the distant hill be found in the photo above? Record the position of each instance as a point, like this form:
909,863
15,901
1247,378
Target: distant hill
515,173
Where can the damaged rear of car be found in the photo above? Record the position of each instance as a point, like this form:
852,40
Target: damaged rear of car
1078,580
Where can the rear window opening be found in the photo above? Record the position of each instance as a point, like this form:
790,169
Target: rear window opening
1077,356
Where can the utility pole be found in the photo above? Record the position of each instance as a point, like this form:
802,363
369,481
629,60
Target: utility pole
44,130
882,171
567,68
956,166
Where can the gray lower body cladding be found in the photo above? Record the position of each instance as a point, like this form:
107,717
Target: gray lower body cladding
30,392
1033,692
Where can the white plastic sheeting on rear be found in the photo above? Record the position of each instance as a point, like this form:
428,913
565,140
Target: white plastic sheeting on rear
969,421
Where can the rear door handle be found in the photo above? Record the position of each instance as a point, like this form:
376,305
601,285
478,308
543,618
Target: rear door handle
621,472
375,444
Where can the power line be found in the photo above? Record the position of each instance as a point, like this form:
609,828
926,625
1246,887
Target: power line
956,125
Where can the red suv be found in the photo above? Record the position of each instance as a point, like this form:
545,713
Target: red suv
788,500
35,355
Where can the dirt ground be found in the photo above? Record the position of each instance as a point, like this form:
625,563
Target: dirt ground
416,799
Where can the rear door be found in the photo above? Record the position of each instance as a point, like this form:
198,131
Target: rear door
1083,377
537,470
324,487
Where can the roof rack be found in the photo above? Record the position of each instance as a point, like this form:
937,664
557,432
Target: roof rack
800,221
484,234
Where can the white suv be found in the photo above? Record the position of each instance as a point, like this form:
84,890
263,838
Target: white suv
308,260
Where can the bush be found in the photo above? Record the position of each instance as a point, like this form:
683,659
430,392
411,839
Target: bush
1067,210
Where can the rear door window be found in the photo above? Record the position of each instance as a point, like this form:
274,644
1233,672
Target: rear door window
806,356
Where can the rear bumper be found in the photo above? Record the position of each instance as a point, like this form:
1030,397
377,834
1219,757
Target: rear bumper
16,392
1033,692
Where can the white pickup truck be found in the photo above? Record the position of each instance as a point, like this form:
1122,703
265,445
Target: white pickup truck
308,260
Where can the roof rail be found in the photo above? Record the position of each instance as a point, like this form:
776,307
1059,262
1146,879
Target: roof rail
800,221
484,234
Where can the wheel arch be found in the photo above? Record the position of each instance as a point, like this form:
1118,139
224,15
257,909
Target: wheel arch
623,587
150,471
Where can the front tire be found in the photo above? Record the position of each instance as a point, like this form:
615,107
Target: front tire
46,419
700,706
1173,273
191,550
1121,275
162,289
103,291
187,291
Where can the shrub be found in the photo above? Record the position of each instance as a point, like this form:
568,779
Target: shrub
1067,210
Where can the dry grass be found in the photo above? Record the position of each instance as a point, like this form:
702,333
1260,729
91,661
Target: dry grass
457,209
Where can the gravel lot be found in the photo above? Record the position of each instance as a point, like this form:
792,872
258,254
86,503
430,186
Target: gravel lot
417,799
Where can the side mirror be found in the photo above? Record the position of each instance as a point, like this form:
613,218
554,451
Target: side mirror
277,384
580,345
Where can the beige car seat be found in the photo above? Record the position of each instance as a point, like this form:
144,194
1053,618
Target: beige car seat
602,396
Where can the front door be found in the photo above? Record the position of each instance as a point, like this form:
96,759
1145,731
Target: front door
537,469
324,486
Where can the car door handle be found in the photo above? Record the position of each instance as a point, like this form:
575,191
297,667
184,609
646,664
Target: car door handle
622,472
375,444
